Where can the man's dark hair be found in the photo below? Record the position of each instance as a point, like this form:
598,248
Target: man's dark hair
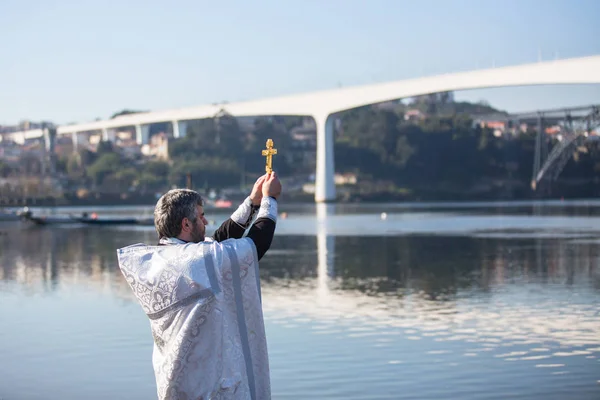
172,208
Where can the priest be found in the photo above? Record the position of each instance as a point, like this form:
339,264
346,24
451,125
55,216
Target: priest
202,295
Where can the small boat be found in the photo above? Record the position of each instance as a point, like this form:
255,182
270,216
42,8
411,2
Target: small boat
85,219
146,221
49,220
9,216
106,221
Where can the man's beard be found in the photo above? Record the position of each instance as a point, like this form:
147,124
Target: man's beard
197,234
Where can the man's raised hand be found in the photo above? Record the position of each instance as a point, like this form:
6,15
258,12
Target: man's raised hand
257,193
271,186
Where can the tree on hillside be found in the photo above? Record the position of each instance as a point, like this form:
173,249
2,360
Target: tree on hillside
154,176
125,112
125,178
104,166
105,147
206,171
157,168
5,169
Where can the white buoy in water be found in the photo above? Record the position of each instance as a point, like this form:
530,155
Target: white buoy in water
383,215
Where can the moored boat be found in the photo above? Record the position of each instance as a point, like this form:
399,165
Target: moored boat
106,221
9,216
51,220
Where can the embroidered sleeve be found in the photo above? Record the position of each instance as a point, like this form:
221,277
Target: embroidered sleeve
244,214
268,209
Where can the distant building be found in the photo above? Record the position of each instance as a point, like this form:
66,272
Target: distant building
63,146
25,126
495,125
10,152
414,115
125,136
130,149
345,179
339,179
158,147
308,188
553,130
94,140
434,98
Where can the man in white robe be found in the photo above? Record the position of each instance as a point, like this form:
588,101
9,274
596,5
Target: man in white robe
202,296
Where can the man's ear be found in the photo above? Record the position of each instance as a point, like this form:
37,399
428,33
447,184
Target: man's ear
186,225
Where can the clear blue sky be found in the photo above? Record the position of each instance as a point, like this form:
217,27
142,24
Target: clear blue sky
77,60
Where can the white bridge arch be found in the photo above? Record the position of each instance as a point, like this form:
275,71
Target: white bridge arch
322,105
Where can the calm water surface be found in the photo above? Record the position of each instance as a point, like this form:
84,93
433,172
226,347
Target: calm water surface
456,301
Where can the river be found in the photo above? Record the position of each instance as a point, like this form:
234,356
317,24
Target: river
385,301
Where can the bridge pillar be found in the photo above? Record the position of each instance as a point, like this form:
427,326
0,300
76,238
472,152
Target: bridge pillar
20,138
324,180
49,138
75,140
537,157
142,134
112,134
179,129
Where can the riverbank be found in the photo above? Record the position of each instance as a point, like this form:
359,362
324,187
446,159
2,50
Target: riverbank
106,200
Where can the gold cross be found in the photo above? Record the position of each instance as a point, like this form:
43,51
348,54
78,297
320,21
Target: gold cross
269,152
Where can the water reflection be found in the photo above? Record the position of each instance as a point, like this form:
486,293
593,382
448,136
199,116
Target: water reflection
508,292
438,268
325,252
45,259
